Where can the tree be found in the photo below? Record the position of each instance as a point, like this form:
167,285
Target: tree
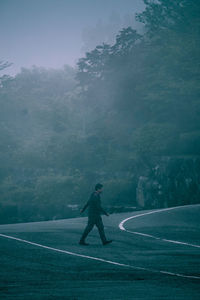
4,65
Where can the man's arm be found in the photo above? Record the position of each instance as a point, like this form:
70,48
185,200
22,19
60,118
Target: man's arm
104,212
84,207
99,207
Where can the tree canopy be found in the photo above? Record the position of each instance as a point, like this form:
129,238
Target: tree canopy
128,106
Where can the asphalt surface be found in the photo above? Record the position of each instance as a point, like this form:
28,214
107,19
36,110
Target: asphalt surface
155,256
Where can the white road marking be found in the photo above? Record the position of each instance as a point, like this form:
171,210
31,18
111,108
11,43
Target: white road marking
109,261
121,226
98,258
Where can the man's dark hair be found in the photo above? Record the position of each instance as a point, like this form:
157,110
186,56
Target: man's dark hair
98,186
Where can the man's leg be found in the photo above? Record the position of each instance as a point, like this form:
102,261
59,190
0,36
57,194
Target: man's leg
100,227
87,230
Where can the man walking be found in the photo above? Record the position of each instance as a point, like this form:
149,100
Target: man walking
94,216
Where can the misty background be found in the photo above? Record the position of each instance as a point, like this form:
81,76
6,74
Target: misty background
52,33
98,91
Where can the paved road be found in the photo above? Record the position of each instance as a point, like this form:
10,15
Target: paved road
155,256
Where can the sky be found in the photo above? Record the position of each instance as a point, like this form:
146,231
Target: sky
49,33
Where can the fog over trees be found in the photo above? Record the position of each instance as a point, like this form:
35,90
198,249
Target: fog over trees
126,116
105,32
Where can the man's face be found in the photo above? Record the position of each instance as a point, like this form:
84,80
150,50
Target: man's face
100,190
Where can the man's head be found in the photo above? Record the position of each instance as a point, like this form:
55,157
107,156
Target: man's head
99,187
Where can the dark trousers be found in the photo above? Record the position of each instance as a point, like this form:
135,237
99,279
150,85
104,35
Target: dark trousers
91,222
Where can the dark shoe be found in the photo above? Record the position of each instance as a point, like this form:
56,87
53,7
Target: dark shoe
107,242
83,243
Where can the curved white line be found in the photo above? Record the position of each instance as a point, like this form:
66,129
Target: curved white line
121,226
98,259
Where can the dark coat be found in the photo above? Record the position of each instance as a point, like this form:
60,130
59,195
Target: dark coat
94,206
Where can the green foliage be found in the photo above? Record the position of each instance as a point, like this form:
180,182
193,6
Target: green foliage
151,79
159,139
119,192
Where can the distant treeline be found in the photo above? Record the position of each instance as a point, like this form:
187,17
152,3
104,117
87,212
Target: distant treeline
112,119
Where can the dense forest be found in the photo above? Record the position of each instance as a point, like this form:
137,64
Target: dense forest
127,116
